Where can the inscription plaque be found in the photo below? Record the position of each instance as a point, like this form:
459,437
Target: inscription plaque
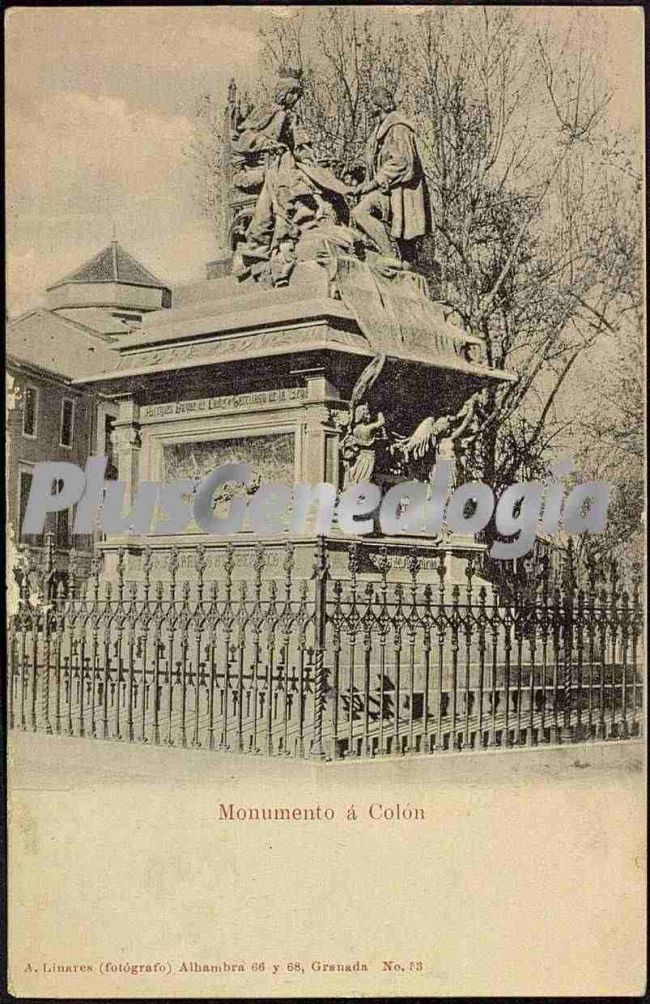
227,402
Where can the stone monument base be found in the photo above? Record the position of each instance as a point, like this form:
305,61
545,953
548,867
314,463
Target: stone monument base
443,560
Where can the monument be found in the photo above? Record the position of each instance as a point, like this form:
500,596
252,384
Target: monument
314,350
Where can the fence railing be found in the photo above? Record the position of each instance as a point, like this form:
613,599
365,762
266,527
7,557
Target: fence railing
356,665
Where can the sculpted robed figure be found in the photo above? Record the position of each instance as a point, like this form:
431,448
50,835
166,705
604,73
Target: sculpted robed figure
296,190
394,204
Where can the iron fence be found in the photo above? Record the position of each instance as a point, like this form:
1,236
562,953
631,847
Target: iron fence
332,666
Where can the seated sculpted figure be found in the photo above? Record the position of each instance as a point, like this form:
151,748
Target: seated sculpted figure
394,204
295,188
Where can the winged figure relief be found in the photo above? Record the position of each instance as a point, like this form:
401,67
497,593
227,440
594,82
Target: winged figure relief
423,438
367,379
447,435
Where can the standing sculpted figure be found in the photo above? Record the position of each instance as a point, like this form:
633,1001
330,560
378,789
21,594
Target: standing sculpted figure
358,446
394,203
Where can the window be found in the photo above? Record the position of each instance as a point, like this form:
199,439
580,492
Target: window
30,411
109,423
61,520
111,469
67,422
24,486
62,529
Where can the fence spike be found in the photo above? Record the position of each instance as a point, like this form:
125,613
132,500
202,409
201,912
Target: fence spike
441,572
289,555
321,561
383,567
353,560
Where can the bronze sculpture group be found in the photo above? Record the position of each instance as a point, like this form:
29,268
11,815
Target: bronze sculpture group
296,204
296,194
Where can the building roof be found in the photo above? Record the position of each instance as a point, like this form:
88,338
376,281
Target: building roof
112,264
97,319
43,339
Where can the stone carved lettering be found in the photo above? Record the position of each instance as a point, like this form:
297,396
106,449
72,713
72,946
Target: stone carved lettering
227,402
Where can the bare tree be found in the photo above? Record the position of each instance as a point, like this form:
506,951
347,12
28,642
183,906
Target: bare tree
535,197
528,218
205,154
342,53
609,435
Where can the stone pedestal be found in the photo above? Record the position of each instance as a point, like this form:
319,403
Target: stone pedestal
238,372
440,562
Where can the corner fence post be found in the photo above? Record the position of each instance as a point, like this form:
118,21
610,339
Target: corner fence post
320,576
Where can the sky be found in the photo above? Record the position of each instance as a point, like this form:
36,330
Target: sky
99,117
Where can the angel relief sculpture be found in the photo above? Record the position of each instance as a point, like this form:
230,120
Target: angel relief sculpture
358,446
447,437
360,433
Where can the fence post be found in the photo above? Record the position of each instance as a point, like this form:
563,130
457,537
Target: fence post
441,631
614,626
200,564
567,733
591,638
228,621
636,630
147,562
624,731
286,622
48,604
544,623
16,625
19,624
320,576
